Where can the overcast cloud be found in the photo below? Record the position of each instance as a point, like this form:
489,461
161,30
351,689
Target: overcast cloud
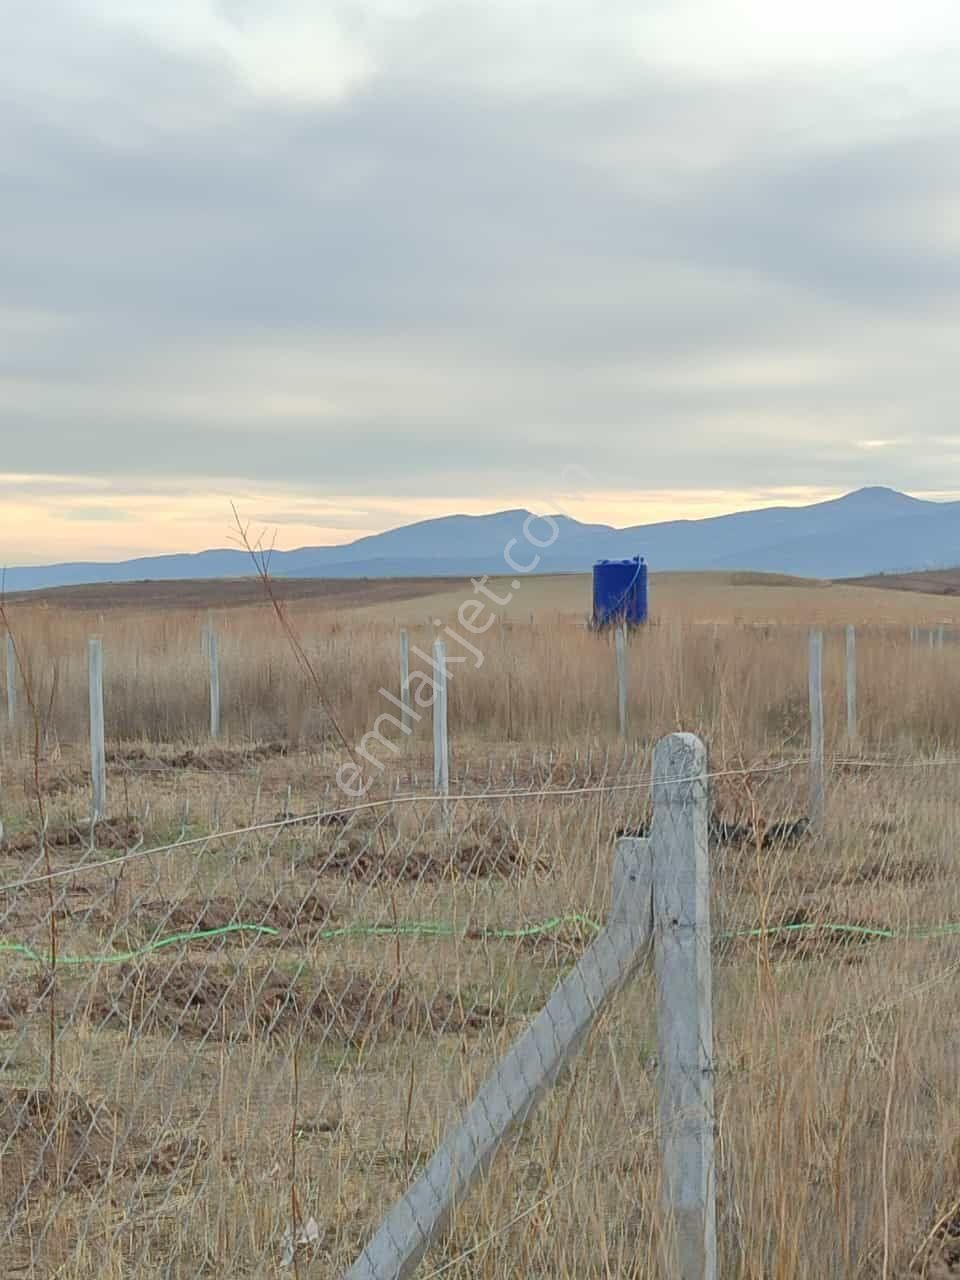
401,252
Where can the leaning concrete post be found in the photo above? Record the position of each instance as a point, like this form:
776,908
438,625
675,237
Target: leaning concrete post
522,1076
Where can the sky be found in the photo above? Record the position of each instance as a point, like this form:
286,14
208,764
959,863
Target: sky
356,264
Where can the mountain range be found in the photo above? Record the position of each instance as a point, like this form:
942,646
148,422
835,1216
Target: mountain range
872,530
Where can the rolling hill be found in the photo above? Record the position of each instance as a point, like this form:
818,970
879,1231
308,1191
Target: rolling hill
866,532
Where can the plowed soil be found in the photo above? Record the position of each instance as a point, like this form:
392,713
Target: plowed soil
473,854
63,1140
194,1000
109,833
210,760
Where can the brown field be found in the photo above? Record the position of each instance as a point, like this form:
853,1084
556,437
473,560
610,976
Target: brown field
692,597
231,593
254,1019
941,582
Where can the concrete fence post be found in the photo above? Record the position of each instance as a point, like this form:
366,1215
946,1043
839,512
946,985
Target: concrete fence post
681,912
621,647
98,753
212,650
441,748
11,682
405,716
817,778
852,730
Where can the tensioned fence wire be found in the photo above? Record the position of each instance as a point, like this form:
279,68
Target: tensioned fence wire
639,784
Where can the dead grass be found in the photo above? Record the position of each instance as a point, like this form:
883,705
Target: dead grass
725,658
167,1147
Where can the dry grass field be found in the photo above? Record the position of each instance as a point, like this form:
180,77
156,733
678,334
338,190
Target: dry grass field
700,597
242,1000
231,593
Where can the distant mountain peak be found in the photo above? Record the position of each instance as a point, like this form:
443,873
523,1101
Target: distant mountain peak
879,494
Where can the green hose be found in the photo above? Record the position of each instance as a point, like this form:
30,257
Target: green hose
441,929
121,957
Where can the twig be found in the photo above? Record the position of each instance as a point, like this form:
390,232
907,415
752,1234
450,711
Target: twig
261,563
934,1231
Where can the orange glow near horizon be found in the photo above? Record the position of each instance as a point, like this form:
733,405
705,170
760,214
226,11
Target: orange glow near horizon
45,519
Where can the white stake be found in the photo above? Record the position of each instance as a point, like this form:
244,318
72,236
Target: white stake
405,682
11,682
817,783
98,753
212,647
621,643
852,684
441,756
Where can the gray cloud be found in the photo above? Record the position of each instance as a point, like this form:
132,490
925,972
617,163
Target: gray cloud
677,281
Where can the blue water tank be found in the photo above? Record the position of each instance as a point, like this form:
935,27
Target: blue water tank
620,592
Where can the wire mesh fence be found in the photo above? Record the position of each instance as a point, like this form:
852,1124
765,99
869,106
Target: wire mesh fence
227,1048
556,683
